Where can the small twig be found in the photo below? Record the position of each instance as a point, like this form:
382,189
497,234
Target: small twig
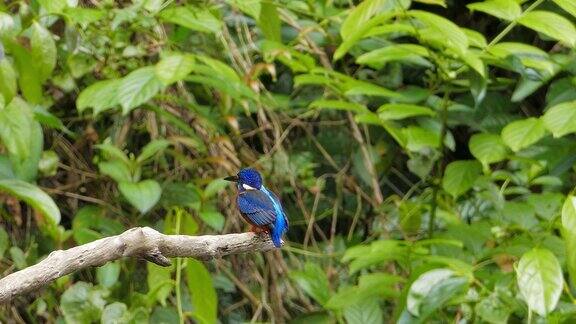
143,242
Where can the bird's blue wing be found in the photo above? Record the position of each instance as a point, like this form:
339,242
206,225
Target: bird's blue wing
256,207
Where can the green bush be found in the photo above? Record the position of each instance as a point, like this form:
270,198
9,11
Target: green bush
424,151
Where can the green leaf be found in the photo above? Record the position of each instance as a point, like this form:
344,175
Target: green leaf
460,176
475,38
138,87
405,53
48,164
363,12
523,133
201,20
401,111
540,280
107,275
441,3
441,32
488,148
101,96
152,149
568,5
53,6
90,223
33,196
82,303
28,74
8,84
16,131
550,24
18,257
269,21
569,214
142,195
339,105
313,280
213,218
43,50
116,170
202,292
215,187
366,311
4,242
423,286
113,152
503,9
493,310
560,120
116,313
418,138
174,67
83,16
160,283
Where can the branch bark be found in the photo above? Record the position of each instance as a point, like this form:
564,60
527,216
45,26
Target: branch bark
142,242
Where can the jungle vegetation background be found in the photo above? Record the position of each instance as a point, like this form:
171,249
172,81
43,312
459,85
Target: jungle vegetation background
424,151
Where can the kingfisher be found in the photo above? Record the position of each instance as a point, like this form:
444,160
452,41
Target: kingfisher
259,206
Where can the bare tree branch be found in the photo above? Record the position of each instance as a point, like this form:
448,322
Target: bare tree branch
143,242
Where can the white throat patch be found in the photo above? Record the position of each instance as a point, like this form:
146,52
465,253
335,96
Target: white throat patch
247,187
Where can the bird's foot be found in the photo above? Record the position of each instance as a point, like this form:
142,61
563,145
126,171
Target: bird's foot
258,230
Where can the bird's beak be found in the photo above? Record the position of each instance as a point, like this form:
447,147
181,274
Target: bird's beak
232,178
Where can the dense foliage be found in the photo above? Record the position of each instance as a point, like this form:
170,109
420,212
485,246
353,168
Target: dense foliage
424,151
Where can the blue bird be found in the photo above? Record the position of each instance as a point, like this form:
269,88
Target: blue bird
259,206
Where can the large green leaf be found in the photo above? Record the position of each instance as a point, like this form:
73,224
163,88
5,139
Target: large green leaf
560,120
138,87
540,280
33,196
269,21
151,149
432,289
8,81
28,75
363,12
107,275
142,195
441,32
550,24
53,6
504,9
569,214
568,5
16,131
101,96
366,311
43,50
174,67
405,53
339,105
488,148
313,280
202,292
460,176
523,133
401,111
194,18
82,303
160,283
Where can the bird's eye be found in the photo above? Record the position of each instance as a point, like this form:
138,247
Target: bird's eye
247,187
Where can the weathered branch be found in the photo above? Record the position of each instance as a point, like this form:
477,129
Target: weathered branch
142,242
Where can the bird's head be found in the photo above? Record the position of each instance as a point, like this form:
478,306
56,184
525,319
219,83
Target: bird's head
247,179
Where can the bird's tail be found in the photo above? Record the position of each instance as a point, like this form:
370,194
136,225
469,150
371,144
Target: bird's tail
276,236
